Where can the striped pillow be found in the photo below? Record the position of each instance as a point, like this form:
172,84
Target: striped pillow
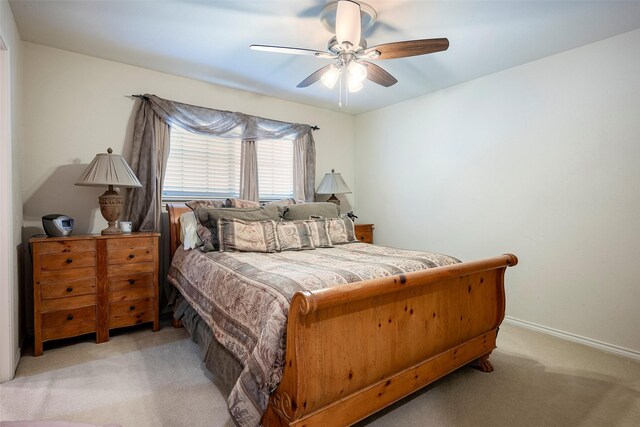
241,203
319,232
247,236
341,230
294,236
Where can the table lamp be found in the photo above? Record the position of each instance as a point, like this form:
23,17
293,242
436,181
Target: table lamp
333,184
108,169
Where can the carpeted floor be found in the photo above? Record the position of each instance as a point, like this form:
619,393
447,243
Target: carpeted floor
141,378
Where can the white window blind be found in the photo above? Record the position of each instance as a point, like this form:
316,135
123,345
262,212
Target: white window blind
201,166
275,169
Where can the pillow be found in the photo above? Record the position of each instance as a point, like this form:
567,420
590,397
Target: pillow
195,204
205,236
307,210
319,232
294,236
241,203
189,231
283,202
247,236
341,230
209,217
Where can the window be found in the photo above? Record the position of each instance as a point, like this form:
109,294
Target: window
275,169
203,167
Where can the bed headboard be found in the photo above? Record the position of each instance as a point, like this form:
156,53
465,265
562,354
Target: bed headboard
175,210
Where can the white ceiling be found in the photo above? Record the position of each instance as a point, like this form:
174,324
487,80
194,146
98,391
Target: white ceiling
209,40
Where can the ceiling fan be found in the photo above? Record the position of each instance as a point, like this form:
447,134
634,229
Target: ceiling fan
350,51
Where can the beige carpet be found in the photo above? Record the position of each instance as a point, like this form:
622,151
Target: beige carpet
141,378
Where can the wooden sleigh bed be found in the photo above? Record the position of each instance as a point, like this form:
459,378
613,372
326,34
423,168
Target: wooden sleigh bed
356,348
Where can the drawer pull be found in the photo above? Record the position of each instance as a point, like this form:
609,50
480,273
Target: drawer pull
69,261
131,281
69,316
131,256
133,307
69,289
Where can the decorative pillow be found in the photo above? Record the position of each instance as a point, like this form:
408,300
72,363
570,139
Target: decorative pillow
241,203
307,210
247,236
283,202
195,204
294,236
319,232
205,236
189,231
209,217
341,230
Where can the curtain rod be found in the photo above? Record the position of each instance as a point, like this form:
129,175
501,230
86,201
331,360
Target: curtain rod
314,127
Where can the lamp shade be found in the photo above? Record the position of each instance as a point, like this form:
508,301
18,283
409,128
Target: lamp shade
332,183
109,169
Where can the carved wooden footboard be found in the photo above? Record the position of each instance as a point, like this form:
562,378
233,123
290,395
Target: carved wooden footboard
356,348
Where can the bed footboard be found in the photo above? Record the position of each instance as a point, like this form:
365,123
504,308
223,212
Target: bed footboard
354,349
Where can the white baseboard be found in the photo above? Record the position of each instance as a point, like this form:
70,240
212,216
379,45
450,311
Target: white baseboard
575,338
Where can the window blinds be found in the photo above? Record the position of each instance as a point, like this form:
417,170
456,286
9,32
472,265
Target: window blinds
201,166
204,166
275,169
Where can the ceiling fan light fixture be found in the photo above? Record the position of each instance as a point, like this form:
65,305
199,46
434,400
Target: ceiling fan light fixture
331,76
348,25
354,85
357,71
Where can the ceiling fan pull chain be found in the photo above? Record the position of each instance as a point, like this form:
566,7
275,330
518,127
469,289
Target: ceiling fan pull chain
346,93
340,92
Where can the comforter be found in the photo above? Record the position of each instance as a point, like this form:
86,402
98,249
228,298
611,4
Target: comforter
244,297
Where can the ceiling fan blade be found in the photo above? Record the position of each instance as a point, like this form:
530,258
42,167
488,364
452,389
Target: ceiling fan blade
406,48
348,25
314,77
378,75
293,51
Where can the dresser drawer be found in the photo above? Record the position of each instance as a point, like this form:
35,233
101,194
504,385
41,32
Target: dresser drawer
54,276
69,289
130,243
364,236
131,287
127,269
128,256
66,246
130,294
364,232
131,281
133,312
67,261
56,319
68,323
67,303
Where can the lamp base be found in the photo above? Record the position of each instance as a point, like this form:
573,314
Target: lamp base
110,207
334,199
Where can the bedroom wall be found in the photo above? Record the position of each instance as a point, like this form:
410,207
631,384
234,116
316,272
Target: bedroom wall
10,193
540,160
76,106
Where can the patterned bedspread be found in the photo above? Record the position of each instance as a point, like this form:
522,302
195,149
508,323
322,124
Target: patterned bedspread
245,296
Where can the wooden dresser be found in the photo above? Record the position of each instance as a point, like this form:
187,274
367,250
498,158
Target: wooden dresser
364,232
93,283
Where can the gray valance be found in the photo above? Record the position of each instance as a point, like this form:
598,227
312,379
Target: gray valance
223,123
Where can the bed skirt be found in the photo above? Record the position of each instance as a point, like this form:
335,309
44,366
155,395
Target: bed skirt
222,365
